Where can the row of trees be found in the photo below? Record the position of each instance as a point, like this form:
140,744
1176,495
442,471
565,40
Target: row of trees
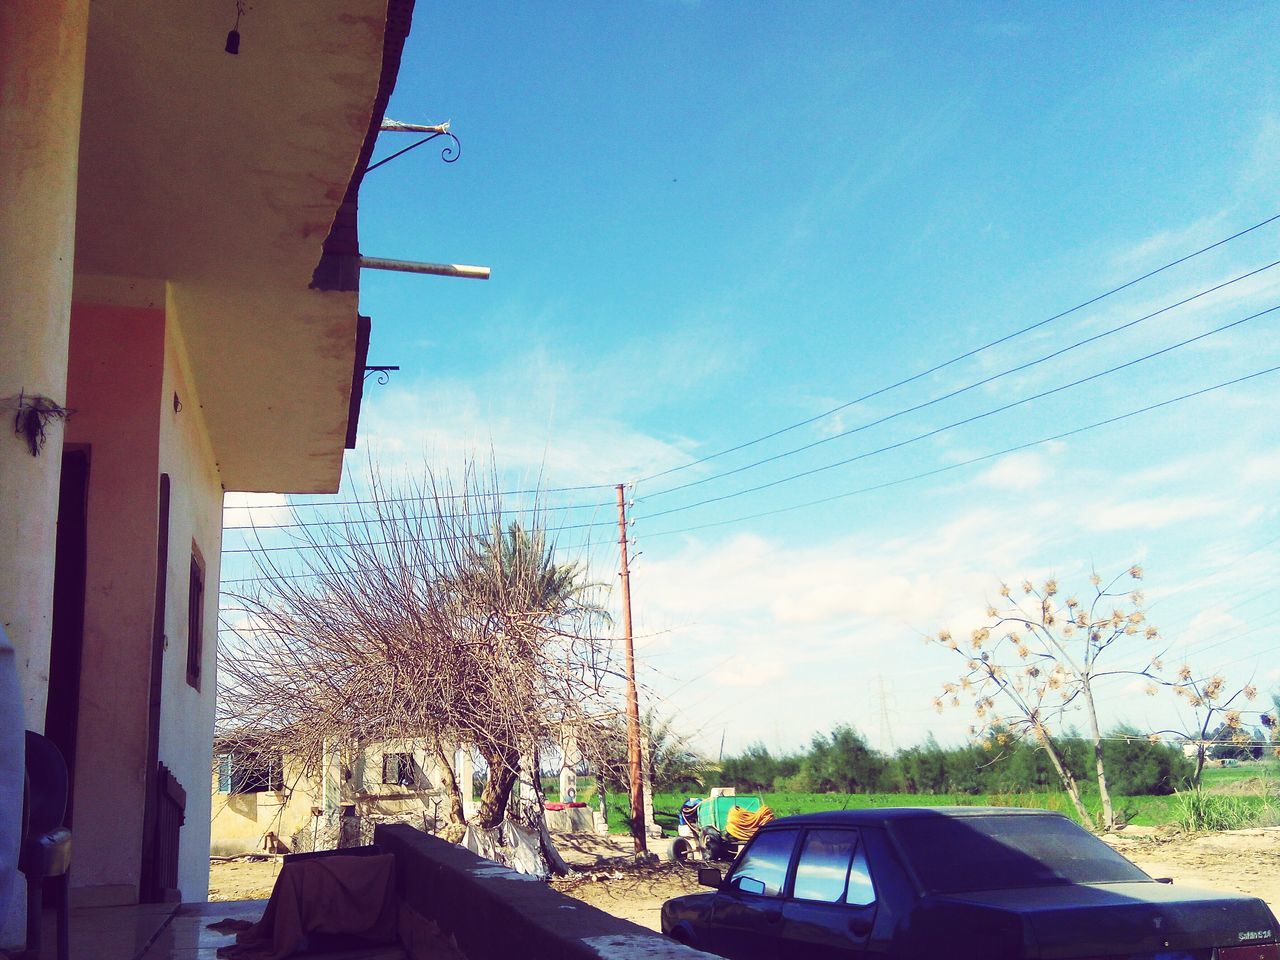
843,762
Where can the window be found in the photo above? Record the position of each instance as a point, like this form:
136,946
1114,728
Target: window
823,870
195,618
398,768
991,852
249,772
860,892
763,868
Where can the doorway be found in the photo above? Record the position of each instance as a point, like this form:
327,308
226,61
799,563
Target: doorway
70,567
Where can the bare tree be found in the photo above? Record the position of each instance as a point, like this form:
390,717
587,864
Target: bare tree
1219,712
430,610
1040,657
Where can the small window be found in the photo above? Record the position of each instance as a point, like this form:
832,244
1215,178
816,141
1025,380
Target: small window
250,773
763,868
195,618
822,872
398,768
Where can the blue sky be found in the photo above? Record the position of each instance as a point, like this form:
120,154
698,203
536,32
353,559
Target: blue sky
708,221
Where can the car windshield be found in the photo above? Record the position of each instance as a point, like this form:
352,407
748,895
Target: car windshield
959,854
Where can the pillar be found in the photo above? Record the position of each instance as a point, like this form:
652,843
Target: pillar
464,769
569,760
42,46
650,824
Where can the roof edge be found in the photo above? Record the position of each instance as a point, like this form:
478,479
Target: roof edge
339,267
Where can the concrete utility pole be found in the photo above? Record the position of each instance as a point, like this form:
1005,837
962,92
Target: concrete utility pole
633,700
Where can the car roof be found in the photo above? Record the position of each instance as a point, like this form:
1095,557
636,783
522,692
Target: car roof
879,816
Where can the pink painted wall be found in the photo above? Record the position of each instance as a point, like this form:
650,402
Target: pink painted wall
115,378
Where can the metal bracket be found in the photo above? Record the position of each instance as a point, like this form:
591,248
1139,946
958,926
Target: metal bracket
449,154
384,373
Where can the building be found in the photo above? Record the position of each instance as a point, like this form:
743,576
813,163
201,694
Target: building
179,318
263,802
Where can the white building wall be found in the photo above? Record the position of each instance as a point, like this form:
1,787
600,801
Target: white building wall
195,519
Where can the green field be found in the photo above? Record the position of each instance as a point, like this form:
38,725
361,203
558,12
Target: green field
1260,783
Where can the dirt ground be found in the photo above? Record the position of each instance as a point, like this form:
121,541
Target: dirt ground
1242,861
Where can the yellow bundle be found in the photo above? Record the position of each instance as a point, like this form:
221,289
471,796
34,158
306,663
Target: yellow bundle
742,824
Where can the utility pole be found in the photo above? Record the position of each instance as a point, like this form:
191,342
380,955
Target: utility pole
633,700
886,727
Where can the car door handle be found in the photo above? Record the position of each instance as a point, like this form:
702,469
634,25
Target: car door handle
860,926
773,916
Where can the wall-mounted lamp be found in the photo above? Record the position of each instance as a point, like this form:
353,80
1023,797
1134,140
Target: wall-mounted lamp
233,38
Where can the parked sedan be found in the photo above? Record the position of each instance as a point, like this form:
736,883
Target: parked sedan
953,884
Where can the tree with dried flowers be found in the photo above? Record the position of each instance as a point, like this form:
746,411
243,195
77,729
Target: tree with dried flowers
1220,713
1039,660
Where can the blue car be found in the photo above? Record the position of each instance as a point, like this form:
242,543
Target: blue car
957,883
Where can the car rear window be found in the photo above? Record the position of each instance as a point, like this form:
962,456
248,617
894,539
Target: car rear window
959,854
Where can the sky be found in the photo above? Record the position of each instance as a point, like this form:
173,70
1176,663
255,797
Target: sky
708,222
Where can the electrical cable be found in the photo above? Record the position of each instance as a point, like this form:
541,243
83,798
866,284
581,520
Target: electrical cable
964,356
967,420
971,461
442,496
961,390
394,518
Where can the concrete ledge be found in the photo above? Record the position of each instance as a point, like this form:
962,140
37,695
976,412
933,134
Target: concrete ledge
494,912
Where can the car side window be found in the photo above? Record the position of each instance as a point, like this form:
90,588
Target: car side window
822,872
860,892
763,867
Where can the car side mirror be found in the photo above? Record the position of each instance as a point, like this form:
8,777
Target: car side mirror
710,877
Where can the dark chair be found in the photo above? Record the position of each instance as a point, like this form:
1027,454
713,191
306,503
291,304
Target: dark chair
46,844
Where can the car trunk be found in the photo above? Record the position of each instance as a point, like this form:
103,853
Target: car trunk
1134,921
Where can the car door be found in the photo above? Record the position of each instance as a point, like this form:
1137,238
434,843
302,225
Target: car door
747,910
832,906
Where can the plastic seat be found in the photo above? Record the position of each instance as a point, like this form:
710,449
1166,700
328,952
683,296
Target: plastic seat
46,845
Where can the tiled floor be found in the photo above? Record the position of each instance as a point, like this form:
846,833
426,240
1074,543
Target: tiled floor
150,931
188,937
108,933
165,932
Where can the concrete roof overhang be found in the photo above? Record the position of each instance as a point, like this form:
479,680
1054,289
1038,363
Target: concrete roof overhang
222,175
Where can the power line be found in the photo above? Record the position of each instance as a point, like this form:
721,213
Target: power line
461,538
443,496
389,518
969,462
342,571
964,356
967,420
961,390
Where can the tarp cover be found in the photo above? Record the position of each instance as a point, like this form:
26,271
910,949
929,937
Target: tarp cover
333,896
511,845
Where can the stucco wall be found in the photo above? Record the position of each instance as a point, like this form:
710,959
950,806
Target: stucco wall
195,520
240,821
114,383
126,362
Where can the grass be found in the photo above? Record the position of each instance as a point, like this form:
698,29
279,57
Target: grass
1191,810
1198,811
1267,771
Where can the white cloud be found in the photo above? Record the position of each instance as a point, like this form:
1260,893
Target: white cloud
262,510
751,673
1017,471
1153,513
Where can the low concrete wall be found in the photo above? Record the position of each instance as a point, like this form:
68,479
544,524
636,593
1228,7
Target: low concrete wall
494,912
